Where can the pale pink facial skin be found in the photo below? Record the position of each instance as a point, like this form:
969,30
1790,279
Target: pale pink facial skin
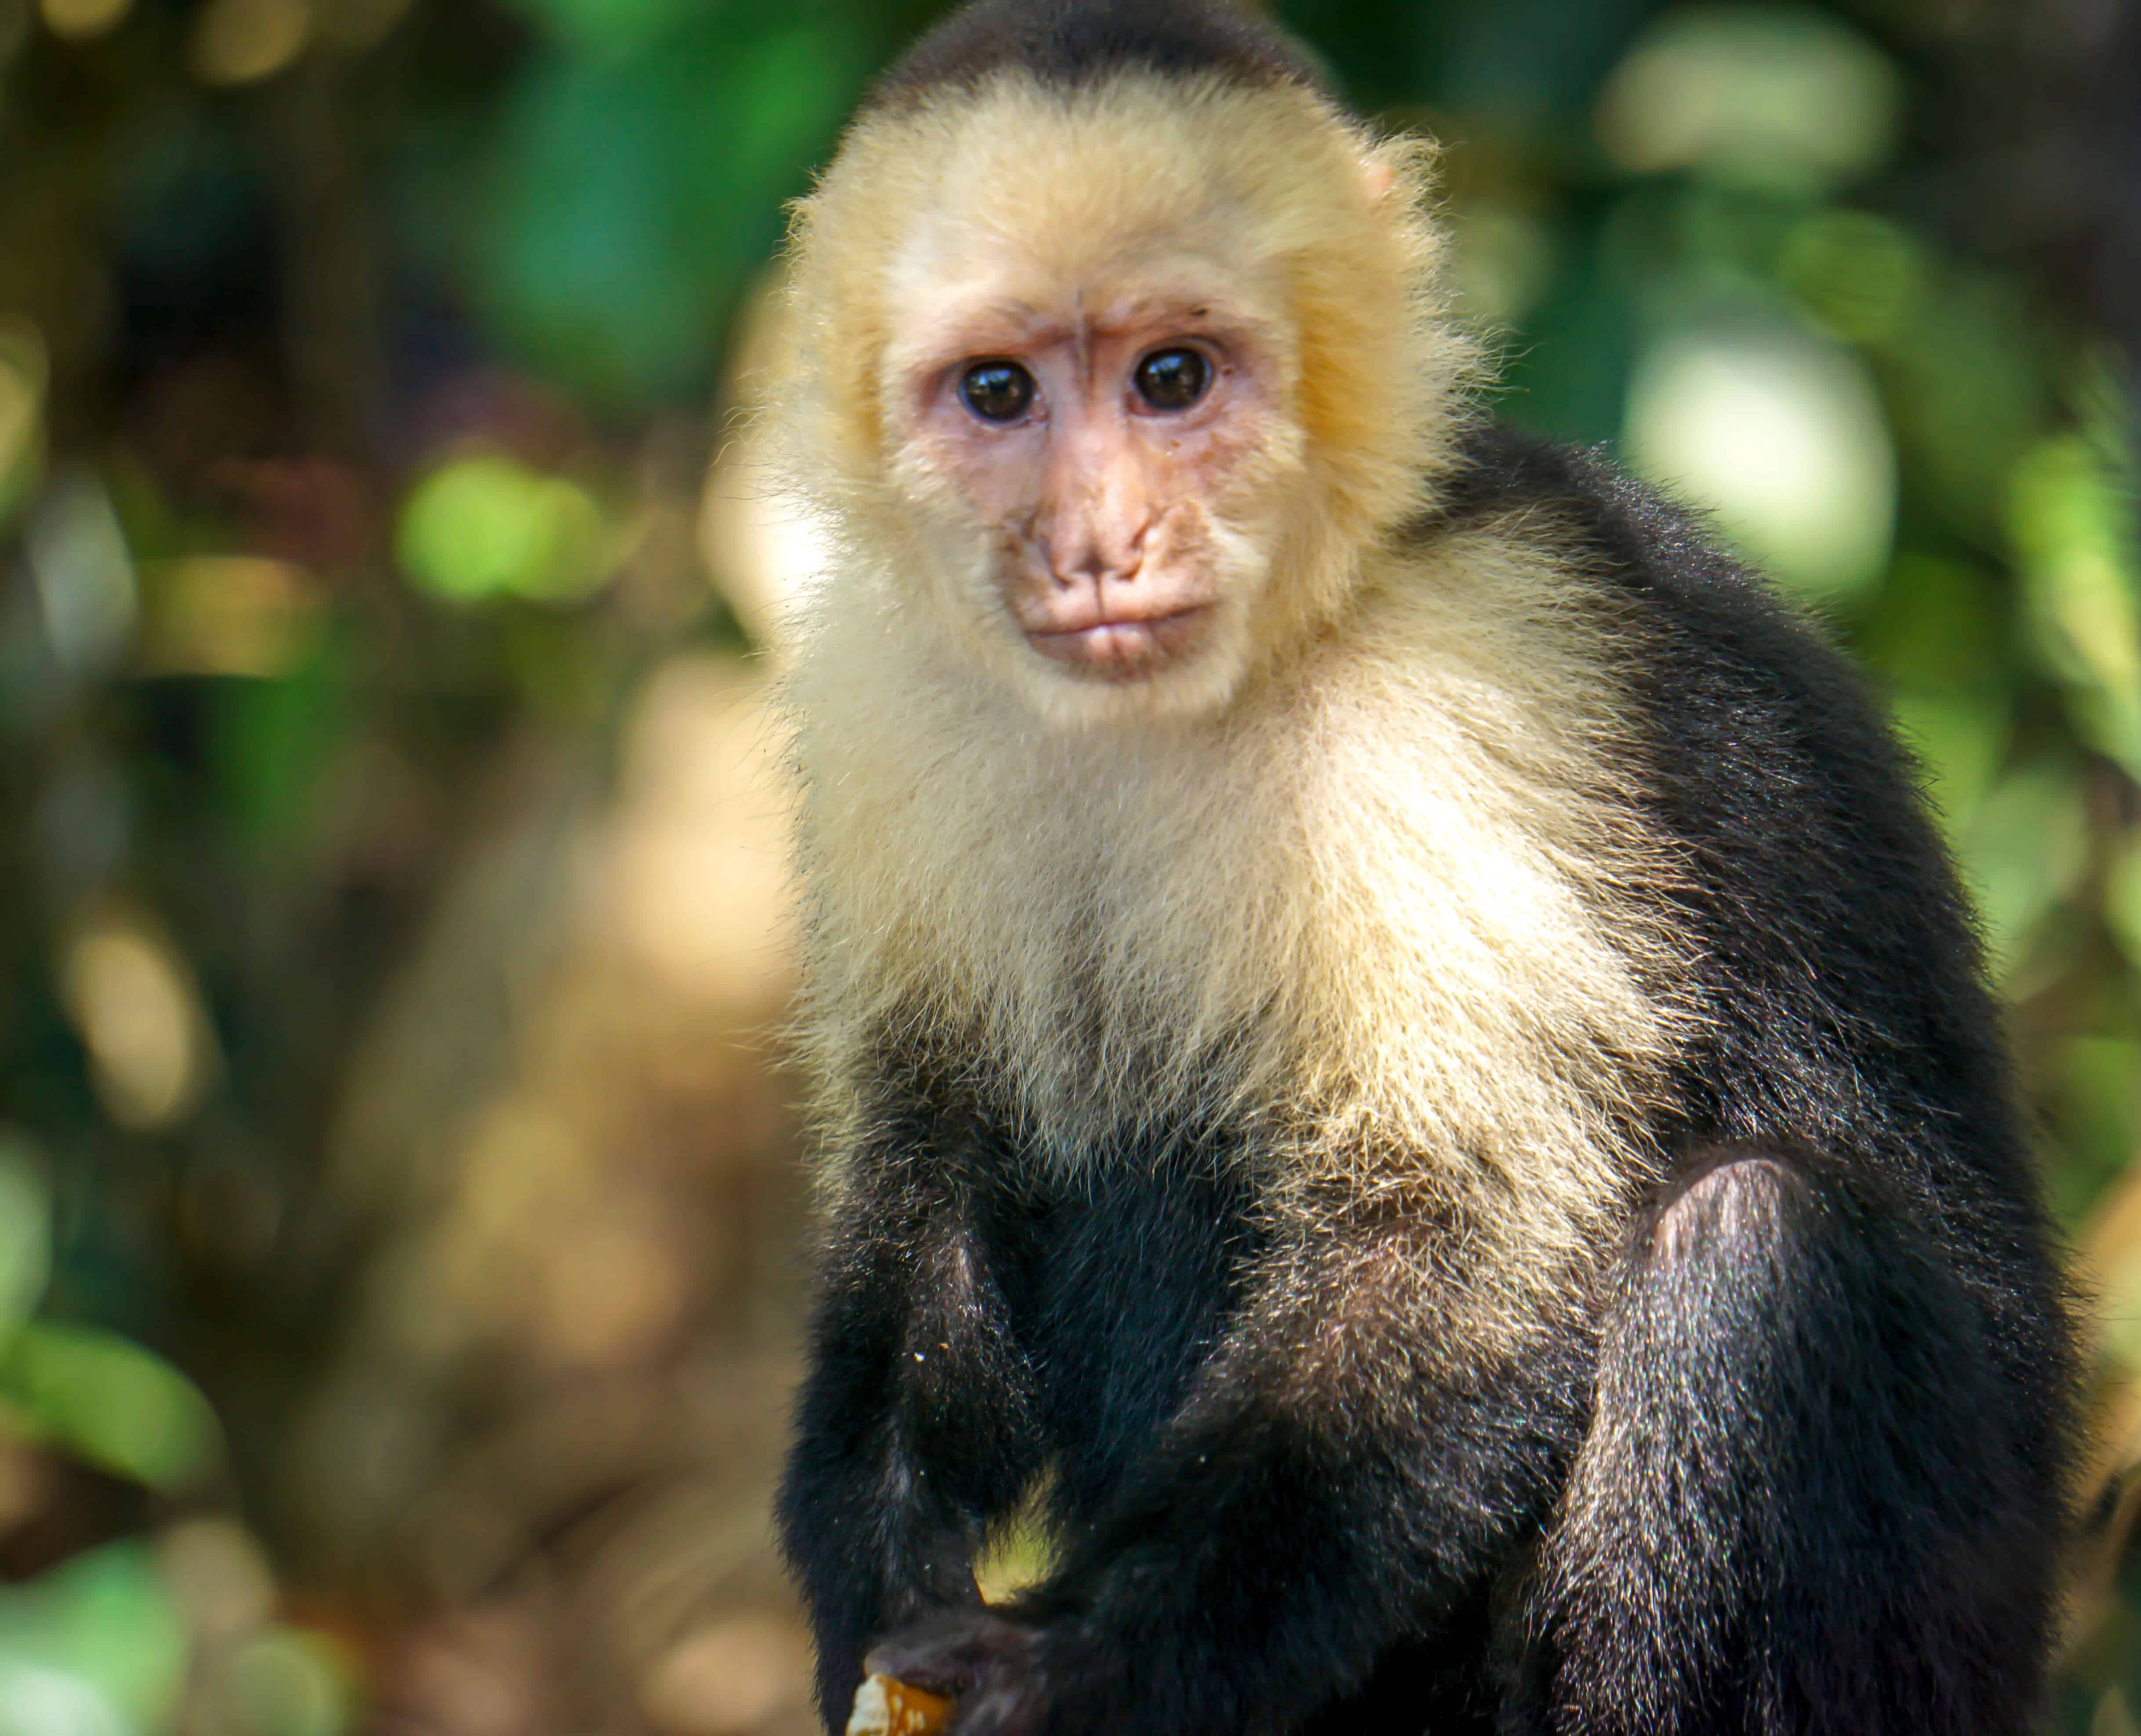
1099,503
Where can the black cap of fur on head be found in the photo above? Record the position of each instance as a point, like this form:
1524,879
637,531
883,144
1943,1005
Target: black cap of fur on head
1072,42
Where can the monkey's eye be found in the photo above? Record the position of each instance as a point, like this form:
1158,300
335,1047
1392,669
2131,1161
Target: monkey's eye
1172,379
997,391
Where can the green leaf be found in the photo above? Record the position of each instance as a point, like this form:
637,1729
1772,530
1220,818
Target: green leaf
1861,275
2095,1095
1959,742
272,736
116,1403
2023,850
1962,381
2122,895
2071,536
26,1232
1941,626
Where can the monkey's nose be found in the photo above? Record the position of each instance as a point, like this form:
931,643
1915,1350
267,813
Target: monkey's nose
1090,557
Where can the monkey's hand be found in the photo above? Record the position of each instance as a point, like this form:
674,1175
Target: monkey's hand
990,1668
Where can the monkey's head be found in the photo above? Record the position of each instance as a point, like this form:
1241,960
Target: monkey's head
1110,385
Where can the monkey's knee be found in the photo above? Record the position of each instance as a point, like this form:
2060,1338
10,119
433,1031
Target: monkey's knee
1805,1481
1762,1292
1736,1201
1749,1273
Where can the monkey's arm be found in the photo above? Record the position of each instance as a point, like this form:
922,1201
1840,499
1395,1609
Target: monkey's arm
1329,1488
911,1428
1801,1484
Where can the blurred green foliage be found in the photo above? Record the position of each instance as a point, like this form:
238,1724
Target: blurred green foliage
95,1646
355,365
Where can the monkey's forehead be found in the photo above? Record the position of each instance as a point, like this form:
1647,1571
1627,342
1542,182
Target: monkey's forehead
1075,44
1010,166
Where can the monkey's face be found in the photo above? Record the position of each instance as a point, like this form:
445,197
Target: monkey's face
1101,467
1114,388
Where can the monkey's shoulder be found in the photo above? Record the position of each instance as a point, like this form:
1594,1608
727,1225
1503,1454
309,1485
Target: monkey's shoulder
1770,762
1719,658
1618,527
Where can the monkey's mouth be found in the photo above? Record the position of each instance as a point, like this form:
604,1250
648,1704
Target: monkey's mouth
1124,645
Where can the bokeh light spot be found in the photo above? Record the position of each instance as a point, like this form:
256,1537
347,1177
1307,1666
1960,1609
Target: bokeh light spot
84,573
227,614
22,375
240,42
132,1001
38,1701
218,1576
94,1647
485,526
79,19
1784,439
284,1683
726,1679
1769,96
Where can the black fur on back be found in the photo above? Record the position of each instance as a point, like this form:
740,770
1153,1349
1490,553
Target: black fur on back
1072,44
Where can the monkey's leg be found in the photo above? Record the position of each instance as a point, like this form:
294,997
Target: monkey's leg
1329,1489
1807,1502
913,1430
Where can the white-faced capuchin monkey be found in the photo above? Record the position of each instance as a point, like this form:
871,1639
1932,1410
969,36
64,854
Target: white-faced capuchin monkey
1393,1040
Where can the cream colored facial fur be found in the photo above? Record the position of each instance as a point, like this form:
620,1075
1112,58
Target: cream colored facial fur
1379,892
1292,233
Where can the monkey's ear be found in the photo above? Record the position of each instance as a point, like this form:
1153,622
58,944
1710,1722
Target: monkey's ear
1382,170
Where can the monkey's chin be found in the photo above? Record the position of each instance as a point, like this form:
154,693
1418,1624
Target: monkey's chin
1127,650
1107,683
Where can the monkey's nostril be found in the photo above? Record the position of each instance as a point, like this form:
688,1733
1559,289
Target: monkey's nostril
1092,565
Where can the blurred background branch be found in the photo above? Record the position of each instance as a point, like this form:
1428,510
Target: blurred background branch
398,1187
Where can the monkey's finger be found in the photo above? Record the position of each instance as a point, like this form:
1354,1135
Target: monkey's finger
1009,1706
948,1653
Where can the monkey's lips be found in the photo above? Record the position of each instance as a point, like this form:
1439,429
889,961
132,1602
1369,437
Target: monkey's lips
1123,642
